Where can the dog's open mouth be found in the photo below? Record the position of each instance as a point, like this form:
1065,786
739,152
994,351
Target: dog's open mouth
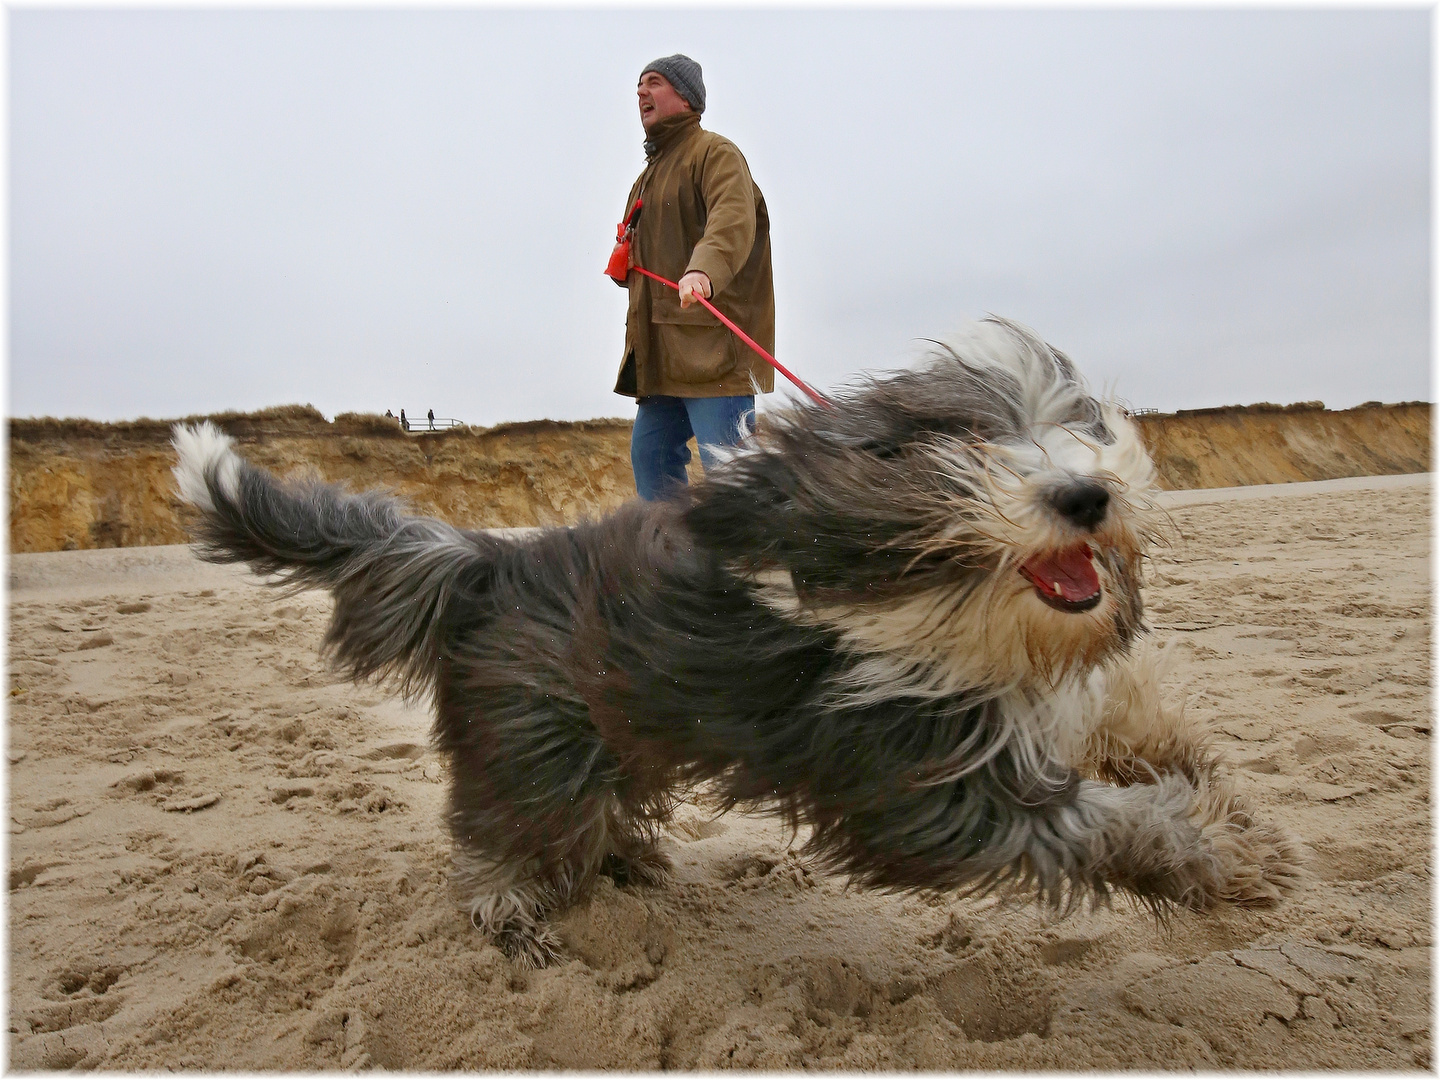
1066,580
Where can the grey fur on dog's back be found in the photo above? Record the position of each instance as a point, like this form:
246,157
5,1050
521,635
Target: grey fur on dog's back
832,624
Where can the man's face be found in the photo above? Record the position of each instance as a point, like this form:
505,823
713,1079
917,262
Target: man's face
658,98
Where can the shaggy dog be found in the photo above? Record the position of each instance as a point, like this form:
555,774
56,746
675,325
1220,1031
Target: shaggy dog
909,622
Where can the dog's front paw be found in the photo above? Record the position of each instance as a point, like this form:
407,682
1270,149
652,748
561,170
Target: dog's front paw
1258,864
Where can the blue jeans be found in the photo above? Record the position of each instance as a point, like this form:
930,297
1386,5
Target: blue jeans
663,425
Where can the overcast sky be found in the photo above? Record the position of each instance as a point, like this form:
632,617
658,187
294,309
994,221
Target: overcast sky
381,209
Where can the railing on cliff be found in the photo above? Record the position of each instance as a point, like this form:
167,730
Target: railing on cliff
425,425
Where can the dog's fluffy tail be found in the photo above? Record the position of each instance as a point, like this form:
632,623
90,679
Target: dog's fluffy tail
392,576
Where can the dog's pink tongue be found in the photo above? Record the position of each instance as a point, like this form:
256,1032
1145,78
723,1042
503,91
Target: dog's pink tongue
1068,574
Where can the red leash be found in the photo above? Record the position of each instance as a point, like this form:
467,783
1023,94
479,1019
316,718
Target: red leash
619,268
746,338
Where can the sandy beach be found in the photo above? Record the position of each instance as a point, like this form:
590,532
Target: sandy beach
221,858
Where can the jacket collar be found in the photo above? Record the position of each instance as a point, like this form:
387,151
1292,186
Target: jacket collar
669,130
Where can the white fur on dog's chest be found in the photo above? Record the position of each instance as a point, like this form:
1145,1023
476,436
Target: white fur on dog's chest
1042,721
983,644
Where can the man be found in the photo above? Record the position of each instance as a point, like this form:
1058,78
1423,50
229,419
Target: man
703,224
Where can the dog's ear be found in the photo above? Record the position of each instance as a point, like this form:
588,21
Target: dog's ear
823,491
829,499
745,510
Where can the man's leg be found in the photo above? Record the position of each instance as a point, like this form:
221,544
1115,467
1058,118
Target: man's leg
720,421
658,453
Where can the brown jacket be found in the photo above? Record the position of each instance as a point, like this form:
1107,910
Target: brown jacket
702,212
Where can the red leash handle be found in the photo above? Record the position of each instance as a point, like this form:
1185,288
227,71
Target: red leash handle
818,398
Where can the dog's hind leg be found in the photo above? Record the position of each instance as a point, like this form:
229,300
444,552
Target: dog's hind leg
635,857
511,898
508,908
511,904
646,865
536,807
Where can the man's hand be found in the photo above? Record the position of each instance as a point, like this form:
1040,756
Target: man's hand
693,283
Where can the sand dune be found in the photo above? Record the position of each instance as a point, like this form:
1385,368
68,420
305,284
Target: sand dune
221,858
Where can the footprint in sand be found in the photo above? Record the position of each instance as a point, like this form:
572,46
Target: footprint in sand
1262,765
192,803
20,876
50,813
993,998
406,751
69,1033
147,780
1067,951
1312,748
694,827
1356,862
284,791
161,784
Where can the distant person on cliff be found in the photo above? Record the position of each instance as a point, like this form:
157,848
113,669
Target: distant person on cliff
703,224
431,417
404,424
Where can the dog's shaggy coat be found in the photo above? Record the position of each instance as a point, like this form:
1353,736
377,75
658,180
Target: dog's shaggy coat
908,622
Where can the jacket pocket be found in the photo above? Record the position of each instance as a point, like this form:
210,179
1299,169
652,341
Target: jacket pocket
695,354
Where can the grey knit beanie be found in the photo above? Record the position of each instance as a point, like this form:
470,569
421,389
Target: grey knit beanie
684,75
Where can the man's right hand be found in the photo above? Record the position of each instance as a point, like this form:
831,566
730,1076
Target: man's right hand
695,283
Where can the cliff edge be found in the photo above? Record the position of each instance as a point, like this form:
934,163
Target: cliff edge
78,484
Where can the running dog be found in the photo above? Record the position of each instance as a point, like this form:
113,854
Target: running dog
909,621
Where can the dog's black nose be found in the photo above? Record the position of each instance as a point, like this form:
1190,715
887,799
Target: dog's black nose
1082,503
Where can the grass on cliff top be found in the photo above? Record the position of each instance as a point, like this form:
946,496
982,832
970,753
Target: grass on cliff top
306,419
80,426
286,419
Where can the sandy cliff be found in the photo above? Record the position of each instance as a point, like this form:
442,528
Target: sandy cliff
78,484
81,484
1274,444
